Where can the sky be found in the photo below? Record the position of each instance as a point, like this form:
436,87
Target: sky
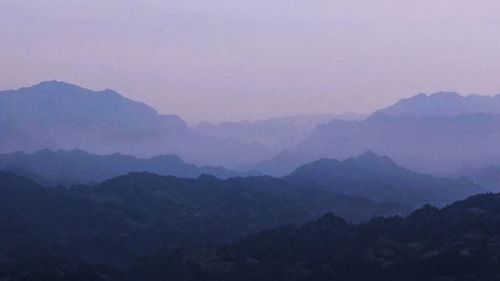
237,59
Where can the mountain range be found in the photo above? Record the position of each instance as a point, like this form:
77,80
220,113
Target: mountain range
95,186
144,227
369,175
441,133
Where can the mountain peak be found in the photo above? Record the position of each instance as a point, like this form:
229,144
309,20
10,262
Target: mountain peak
444,94
54,85
379,178
366,163
375,163
57,87
110,92
370,156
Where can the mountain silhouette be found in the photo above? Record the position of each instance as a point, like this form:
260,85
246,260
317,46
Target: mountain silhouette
119,220
379,178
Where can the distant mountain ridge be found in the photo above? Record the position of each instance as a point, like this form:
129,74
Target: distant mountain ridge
441,133
79,167
59,115
444,104
489,176
429,144
275,133
364,176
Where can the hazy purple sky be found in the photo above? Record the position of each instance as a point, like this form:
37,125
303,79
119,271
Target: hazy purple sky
232,60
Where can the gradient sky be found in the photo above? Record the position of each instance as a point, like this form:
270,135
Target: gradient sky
233,60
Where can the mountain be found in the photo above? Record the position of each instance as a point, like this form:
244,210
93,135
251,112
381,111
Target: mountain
79,167
489,177
433,145
113,223
58,115
380,179
458,242
275,133
444,104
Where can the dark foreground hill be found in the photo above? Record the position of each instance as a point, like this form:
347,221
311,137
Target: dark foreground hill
115,222
379,178
459,242
79,167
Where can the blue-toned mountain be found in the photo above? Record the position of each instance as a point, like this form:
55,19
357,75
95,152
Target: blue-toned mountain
444,104
378,178
58,115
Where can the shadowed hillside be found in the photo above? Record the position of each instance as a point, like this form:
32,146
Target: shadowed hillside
123,218
459,242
